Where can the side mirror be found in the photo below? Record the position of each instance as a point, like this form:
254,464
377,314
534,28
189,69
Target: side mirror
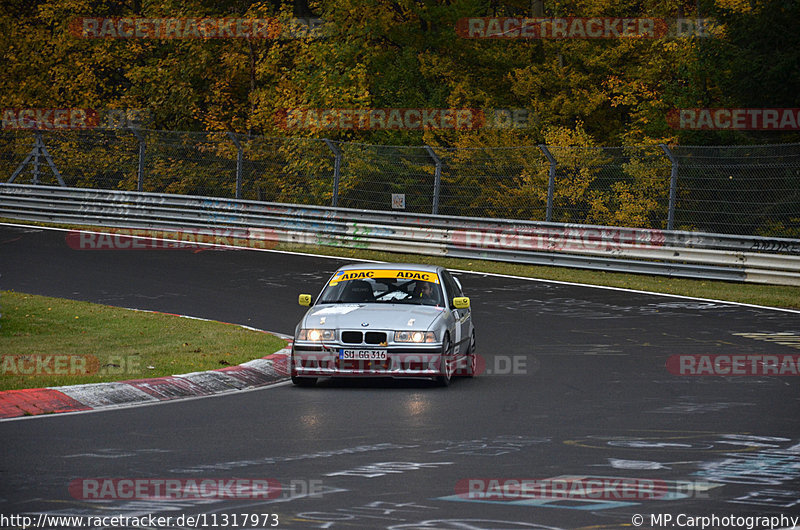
461,302
304,299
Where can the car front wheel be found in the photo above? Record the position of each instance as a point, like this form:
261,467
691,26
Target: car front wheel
300,381
472,360
447,351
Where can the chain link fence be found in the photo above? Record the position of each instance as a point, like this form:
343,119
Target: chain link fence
751,190
748,190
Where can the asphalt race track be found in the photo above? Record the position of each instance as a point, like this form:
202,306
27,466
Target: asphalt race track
575,385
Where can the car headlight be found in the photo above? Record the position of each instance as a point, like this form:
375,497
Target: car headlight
315,335
414,336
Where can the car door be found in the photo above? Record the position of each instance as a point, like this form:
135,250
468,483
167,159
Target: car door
462,317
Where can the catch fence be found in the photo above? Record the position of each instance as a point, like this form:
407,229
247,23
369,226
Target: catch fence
747,190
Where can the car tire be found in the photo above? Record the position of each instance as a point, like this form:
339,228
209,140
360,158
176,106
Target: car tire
304,381
447,351
472,361
300,381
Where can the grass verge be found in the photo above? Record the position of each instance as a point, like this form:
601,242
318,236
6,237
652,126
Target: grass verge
65,342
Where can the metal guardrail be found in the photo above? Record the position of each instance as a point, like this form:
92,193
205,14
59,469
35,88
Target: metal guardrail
619,249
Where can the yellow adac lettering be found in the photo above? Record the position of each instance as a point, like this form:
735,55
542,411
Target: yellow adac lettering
413,275
355,275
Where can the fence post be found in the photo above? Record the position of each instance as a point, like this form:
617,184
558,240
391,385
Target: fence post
673,186
437,179
551,182
140,169
337,164
38,141
239,160
39,149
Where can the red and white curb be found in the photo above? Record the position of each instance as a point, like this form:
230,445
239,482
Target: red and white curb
94,396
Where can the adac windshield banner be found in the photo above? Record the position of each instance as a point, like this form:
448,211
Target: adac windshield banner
365,274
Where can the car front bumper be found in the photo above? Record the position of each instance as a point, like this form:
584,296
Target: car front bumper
315,360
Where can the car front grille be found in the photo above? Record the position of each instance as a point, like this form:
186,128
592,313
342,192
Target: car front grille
352,337
375,337
370,337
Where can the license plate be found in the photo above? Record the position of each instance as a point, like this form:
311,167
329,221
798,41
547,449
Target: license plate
362,355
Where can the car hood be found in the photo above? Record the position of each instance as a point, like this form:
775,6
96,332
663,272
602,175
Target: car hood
377,316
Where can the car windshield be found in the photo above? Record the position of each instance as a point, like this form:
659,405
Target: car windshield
386,288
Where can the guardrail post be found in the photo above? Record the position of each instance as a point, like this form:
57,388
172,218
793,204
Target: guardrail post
437,179
140,169
673,186
337,164
551,182
239,163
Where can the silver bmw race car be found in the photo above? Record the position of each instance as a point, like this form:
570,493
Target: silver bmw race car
385,320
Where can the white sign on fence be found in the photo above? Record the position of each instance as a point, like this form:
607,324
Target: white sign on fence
398,201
